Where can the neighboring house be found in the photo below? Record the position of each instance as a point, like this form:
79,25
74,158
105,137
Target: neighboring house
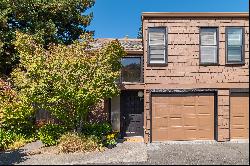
190,81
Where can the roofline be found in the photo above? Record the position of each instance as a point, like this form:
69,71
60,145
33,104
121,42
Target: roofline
131,39
195,14
129,52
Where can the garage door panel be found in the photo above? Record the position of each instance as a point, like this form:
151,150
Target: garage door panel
176,100
204,134
189,100
190,121
190,133
189,110
238,111
203,110
160,122
203,101
160,134
205,121
239,133
160,110
190,117
160,100
239,115
176,133
175,122
177,110
238,120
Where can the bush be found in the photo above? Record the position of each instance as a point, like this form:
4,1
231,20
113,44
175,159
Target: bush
74,142
16,113
6,138
18,118
11,140
110,140
97,129
20,140
50,133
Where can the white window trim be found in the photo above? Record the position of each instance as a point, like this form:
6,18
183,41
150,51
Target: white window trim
165,32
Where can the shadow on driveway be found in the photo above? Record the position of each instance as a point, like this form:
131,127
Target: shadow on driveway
12,157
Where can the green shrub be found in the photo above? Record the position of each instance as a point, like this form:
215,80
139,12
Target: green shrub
6,138
16,113
50,133
18,118
110,140
97,129
74,142
20,140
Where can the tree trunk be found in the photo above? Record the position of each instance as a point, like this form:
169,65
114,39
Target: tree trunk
79,130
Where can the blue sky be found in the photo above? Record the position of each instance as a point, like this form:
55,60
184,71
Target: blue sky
117,18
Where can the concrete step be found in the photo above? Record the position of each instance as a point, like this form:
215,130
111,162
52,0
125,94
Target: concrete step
133,139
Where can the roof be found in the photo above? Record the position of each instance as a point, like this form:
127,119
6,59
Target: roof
195,14
130,45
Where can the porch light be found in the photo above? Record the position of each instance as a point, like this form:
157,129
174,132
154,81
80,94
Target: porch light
140,94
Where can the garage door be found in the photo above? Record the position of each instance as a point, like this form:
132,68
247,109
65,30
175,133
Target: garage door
183,116
239,115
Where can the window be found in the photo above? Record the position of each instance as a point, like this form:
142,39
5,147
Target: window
234,45
157,46
208,46
131,69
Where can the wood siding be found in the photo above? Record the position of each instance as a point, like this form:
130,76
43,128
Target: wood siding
183,70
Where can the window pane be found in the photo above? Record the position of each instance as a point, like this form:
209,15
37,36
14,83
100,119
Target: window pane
157,54
208,36
234,36
208,54
157,45
234,54
131,70
156,38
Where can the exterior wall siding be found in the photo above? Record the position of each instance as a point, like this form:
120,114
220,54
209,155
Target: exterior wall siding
183,70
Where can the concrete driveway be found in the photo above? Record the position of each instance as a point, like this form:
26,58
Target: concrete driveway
139,153
199,154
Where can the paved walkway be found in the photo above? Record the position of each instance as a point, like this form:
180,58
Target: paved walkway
138,153
123,152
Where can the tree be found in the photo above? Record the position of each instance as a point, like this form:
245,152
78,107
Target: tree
50,21
67,80
139,35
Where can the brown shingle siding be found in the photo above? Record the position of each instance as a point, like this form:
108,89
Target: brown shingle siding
184,70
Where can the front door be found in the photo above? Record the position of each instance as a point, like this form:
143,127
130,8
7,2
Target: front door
131,114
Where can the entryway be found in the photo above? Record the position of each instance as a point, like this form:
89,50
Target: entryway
132,107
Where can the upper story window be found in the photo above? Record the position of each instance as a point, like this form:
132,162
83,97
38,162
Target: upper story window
208,46
157,43
234,45
131,69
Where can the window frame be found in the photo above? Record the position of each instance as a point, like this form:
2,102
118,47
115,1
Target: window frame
217,44
141,71
242,62
165,50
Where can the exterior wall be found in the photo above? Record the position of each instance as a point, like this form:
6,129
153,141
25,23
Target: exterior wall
223,115
183,70
115,113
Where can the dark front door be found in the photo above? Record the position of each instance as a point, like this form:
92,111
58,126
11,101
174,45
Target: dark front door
131,114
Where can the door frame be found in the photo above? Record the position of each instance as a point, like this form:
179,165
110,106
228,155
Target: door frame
185,91
121,112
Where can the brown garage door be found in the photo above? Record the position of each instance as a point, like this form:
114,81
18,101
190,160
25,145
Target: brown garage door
239,115
183,116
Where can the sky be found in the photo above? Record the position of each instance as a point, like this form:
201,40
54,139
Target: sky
120,18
